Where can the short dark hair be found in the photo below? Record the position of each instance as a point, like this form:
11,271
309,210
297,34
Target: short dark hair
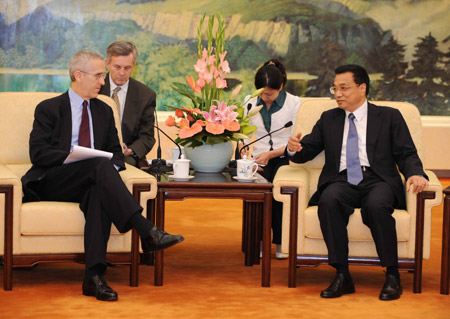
121,48
360,75
270,76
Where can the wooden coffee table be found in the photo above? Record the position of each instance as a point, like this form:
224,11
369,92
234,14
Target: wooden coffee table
257,209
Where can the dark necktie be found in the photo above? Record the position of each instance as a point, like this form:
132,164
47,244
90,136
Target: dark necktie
84,136
354,172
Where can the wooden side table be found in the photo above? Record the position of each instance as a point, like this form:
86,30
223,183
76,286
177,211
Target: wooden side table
257,198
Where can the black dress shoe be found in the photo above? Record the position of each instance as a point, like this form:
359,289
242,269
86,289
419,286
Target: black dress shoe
392,289
338,287
159,240
98,288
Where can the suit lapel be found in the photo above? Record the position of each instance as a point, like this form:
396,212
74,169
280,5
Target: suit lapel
97,123
373,127
66,119
130,112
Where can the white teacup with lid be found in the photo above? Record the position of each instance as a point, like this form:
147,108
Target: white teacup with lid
246,168
181,167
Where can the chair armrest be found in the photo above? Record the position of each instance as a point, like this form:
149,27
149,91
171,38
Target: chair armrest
292,176
8,177
132,176
433,186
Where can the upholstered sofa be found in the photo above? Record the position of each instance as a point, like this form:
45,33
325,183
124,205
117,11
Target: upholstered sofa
50,231
294,185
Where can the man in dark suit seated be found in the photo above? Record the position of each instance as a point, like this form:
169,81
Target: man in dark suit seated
77,117
136,102
364,144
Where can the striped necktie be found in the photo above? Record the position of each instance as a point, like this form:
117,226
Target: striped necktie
115,97
354,171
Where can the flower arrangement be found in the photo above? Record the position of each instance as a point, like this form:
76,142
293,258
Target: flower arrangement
210,120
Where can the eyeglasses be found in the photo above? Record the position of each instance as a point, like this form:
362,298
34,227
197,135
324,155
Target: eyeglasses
334,89
98,76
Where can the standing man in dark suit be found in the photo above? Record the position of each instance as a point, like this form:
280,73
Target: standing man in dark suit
77,117
136,101
364,144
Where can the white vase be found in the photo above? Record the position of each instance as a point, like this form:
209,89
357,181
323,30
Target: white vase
210,158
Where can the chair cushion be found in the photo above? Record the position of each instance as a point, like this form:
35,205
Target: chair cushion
53,218
357,231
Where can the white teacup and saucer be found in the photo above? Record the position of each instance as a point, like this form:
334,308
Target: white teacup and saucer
246,170
181,170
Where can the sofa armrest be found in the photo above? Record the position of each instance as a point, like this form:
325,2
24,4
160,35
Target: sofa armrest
292,176
132,176
433,186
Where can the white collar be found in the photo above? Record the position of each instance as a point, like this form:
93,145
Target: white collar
123,88
360,113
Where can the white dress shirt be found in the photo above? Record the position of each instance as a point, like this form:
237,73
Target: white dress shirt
76,106
361,127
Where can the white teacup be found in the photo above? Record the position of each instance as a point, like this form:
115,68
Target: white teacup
174,153
246,168
181,167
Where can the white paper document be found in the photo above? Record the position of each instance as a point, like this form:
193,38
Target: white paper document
79,153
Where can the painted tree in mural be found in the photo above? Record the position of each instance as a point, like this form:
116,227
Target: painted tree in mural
329,55
428,94
446,75
393,85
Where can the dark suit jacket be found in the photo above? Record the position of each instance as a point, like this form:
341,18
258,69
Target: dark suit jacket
389,144
51,137
138,116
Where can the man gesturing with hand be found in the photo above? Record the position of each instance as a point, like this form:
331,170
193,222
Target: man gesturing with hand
365,146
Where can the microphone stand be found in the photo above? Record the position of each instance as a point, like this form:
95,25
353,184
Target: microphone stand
288,124
237,153
158,167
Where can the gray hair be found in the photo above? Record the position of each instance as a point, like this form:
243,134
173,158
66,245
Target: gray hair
122,48
79,60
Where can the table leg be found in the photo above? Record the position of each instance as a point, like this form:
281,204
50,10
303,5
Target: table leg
251,232
258,219
244,225
159,255
445,261
267,222
149,258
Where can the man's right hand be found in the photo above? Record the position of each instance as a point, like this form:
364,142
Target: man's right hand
294,143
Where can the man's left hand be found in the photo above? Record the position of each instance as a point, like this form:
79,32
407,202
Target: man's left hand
417,182
127,151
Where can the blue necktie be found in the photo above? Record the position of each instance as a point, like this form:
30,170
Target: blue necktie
354,172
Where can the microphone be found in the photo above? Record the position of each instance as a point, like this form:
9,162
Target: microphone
288,124
160,130
237,153
158,162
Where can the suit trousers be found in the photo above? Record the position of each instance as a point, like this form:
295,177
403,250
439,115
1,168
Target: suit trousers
103,197
270,170
376,200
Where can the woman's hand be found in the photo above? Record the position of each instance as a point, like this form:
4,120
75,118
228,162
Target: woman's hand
263,158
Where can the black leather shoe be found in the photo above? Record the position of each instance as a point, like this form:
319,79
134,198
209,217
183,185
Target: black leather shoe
159,240
392,289
98,288
338,287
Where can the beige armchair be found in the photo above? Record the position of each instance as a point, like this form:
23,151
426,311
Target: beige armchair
302,238
37,232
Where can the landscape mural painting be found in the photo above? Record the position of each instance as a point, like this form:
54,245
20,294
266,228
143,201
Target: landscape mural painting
404,44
